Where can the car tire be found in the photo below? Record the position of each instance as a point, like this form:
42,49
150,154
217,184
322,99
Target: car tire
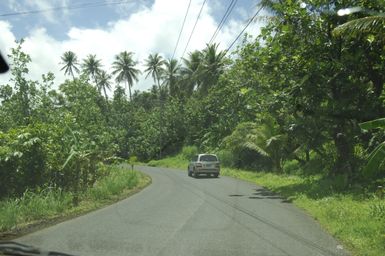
216,175
189,173
195,174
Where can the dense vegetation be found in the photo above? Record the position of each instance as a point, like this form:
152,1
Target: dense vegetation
291,98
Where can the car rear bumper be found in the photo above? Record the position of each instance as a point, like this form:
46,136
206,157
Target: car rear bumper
206,171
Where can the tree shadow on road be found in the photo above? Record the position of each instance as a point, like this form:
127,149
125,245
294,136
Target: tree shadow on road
262,193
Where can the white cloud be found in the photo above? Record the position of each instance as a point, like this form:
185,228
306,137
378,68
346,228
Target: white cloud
149,30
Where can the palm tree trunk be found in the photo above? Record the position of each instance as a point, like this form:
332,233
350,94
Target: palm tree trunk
129,90
105,93
160,118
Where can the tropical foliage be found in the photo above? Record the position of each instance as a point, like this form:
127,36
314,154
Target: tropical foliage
296,93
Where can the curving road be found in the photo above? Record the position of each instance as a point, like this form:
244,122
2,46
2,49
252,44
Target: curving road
179,215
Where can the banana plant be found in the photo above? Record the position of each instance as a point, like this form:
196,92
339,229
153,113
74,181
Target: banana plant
377,156
78,155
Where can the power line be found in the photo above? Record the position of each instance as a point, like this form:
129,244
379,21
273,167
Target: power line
192,32
68,7
243,30
180,33
223,20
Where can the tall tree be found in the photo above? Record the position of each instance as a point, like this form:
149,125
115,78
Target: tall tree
190,71
104,82
70,62
124,69
212,66
154,64
91,67
154,67
171,75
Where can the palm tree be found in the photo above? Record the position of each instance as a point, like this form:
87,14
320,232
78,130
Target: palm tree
124,68
264,138
171,76
70,61
190,72
104,82
154,65
91,67
212,66
268,141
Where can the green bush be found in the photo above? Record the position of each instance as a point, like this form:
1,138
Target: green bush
188,152
226,158
22,160
291,166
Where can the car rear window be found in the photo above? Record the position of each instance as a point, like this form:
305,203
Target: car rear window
208,158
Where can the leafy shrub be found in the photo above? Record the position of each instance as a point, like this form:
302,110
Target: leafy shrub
315,165
22,160
226,158
291,166
188,152
152,163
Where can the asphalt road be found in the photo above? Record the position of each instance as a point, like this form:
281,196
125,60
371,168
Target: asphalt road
179,215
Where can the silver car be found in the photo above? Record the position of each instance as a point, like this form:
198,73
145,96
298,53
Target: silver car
204,164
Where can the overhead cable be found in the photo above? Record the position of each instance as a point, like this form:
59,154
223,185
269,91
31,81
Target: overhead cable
223,20
192,32
181,29
65,7
243,30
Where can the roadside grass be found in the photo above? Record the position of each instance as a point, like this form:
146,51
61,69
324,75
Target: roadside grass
353,216
34,208
177,161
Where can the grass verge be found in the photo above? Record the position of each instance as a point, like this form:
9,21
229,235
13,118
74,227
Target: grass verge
353,216
171,162
35,210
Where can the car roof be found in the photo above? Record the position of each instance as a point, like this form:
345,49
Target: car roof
207,155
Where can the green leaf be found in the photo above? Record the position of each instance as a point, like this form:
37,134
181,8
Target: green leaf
69,158
370,38
244,90
376,158
255,147
373,124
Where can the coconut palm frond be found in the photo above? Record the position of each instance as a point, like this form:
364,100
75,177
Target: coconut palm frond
370,24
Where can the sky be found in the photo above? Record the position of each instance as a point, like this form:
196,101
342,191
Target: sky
108,27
